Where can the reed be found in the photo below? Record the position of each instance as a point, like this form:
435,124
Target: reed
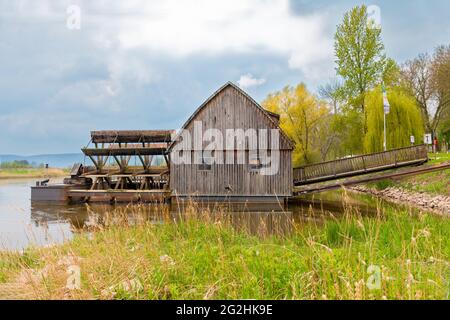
148,252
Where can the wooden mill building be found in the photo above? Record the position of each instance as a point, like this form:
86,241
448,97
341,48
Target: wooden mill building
256,166
231,108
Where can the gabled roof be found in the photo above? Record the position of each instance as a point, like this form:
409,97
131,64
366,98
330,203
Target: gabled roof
267,113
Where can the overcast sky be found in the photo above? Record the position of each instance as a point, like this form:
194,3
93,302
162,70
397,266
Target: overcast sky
148,64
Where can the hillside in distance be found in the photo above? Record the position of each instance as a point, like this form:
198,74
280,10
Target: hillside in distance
63,160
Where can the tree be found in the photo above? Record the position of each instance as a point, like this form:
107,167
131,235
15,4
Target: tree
444,133
428,80
440,70
404,120
443,130
359,54
300,115
348,126
391,73
325,139
332,93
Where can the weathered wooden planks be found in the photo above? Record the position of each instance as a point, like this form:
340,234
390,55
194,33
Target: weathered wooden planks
148,150
231,108
125,136
133,170
110,195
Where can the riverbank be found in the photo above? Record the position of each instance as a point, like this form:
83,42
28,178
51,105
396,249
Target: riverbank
202,256
32,173
428,191
432,183
439,204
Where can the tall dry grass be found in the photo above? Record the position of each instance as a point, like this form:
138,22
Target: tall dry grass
150,252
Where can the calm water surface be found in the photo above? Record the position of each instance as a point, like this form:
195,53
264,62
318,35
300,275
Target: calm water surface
23,223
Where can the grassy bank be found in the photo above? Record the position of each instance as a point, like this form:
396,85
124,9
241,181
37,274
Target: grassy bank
207,258
11,173
435,183
439,157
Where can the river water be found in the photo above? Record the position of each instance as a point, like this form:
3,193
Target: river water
23,223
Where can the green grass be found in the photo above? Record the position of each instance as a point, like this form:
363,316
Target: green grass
383,184
435,183
439,157
206,257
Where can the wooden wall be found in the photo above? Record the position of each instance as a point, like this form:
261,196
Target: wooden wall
231,109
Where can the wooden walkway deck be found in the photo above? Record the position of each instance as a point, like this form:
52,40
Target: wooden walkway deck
353,166
128,195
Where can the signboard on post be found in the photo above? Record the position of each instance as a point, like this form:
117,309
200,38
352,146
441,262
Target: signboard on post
427,138
412,139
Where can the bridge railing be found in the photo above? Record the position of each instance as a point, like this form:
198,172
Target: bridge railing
352,166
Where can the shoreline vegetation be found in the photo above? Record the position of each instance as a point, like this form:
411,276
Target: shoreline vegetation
202,254
24,169
434,183
429,191
21,173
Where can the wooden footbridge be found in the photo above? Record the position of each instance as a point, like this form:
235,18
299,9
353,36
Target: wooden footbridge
362,169
389,174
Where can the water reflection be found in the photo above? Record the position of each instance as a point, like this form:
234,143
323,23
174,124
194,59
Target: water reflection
81,217
23,223
257,219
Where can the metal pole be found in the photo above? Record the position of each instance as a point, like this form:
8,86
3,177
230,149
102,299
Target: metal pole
386,107
384,124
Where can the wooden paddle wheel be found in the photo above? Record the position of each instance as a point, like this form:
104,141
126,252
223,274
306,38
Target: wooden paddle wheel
127,165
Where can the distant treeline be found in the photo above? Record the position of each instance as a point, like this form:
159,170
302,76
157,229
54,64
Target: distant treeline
20,164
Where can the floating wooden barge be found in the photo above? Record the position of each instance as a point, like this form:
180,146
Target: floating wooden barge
138,165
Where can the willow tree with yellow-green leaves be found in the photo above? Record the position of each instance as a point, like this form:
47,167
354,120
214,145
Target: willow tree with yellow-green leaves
403,120
302,118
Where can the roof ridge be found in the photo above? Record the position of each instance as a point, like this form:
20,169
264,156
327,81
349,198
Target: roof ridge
240,90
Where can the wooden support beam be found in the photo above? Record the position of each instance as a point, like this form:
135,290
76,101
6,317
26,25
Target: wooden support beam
155,149
93,161
119,136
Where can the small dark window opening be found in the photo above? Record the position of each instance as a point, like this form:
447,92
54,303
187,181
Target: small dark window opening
206,160
255,162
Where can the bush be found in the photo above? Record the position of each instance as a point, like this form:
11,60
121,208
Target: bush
16,164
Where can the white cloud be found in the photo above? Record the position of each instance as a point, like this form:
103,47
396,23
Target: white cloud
182,28
125,49
201,27
247,81
94,96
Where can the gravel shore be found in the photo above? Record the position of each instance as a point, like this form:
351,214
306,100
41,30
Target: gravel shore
436,203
